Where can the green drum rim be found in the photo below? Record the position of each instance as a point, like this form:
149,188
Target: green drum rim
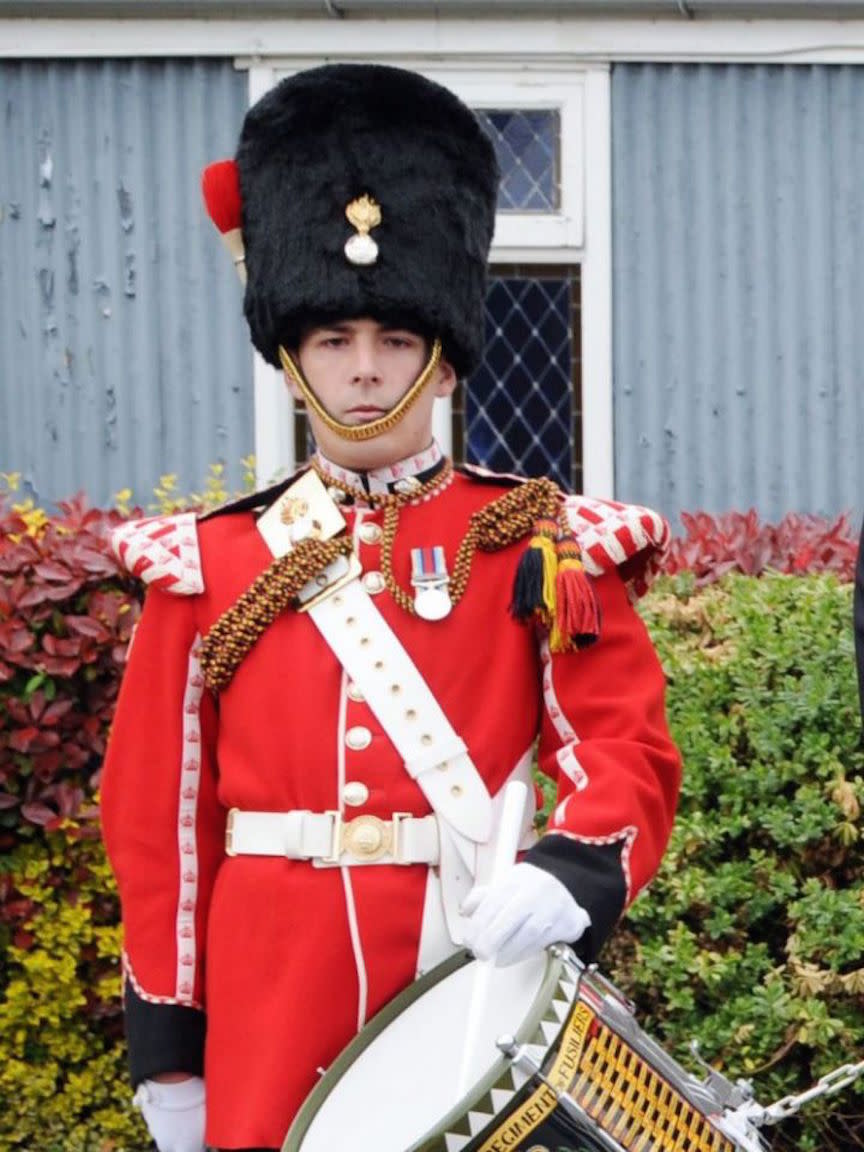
325,1086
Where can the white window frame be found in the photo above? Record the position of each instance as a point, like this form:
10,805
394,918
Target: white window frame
531,90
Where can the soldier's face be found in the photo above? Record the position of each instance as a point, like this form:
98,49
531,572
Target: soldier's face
359,370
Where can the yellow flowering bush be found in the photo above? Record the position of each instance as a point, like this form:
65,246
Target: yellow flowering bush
66,614
63,1080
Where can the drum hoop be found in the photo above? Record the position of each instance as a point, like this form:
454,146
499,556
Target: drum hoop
316,1098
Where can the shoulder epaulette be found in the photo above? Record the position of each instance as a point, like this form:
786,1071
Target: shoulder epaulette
610,535
628,537
162,551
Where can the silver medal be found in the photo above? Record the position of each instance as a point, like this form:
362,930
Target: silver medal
432,601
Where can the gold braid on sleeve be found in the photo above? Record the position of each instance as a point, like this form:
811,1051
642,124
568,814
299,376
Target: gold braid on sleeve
237,629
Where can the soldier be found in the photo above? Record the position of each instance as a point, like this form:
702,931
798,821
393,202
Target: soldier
333,680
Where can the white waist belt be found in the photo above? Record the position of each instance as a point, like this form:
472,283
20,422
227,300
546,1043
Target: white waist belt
327,840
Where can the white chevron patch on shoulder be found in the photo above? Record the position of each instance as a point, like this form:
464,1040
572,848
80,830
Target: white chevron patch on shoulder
610,534
162,551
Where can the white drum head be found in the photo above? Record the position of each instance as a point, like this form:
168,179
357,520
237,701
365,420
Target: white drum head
398,1080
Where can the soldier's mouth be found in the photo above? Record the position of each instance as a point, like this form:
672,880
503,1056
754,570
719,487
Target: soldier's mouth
366,413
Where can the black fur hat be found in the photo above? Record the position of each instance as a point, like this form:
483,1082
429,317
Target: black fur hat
322,139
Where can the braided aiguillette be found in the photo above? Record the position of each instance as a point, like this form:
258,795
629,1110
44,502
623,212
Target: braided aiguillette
238,628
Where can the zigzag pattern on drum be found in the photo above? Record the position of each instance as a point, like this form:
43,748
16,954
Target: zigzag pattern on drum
614,1084
488,1109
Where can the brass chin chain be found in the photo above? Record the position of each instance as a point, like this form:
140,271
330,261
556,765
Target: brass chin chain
374,427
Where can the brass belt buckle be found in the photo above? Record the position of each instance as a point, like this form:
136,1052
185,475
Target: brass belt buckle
367,837
352,571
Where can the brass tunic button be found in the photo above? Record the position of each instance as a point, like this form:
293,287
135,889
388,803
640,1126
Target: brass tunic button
358,738
354,693
355,793
374,583
407,486
370,533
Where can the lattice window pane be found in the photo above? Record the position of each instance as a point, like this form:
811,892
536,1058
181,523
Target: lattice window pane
520,411
527,143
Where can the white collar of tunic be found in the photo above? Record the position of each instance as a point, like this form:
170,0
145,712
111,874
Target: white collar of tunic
381,480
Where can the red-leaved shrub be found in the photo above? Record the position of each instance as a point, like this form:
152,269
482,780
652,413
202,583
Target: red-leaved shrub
739,542
66,615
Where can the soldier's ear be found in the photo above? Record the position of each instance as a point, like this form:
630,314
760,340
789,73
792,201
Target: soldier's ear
445,379
290,383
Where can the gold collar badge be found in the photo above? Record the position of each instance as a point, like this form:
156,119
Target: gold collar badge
363,214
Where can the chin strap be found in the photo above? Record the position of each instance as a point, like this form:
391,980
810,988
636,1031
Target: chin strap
374,427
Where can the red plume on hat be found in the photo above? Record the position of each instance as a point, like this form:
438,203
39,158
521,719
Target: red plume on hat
221,187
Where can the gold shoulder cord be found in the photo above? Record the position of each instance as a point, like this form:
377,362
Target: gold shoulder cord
238,628
501,523
497,525
374,427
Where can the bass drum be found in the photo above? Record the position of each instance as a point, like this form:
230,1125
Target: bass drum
395,1088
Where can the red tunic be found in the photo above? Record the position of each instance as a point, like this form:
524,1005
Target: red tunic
289,959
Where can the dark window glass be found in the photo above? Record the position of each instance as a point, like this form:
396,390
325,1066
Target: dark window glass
527,145
521,410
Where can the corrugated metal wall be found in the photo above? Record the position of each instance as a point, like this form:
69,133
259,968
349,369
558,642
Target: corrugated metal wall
123,351
738,251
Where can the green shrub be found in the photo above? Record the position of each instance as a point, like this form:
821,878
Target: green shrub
751,939
63,1080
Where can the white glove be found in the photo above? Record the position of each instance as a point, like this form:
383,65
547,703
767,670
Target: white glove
524,912
174,1113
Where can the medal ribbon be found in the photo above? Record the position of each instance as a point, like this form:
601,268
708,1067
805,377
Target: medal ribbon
428,565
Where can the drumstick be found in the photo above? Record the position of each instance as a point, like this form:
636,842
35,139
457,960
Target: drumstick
506,847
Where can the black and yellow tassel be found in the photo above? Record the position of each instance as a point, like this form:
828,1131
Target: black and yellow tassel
534,590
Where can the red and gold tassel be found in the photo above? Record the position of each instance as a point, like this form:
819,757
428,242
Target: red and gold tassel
577,616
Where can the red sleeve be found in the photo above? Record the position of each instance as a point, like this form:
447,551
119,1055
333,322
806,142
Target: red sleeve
604,738
162,823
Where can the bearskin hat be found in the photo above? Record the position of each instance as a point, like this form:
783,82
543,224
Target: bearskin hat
329,137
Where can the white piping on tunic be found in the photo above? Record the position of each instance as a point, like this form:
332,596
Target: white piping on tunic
187,812
350,907
566,756
129,974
